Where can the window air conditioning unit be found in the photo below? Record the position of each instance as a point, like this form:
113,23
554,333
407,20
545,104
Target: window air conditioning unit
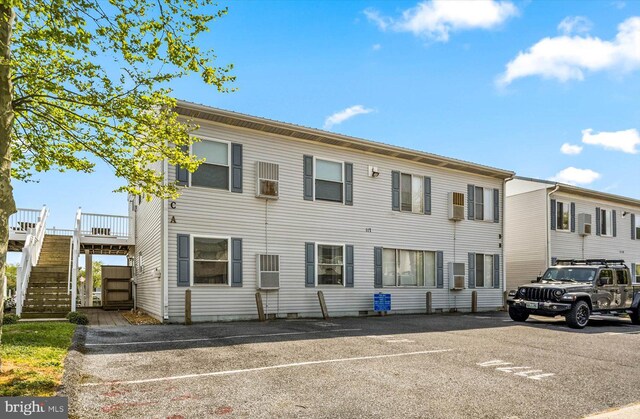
268,175
456,275
456,206
584,224
268,271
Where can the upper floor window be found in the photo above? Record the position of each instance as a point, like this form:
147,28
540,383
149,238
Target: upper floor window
214,172
606,223
329,180
483,203
562,215
635,219
411,193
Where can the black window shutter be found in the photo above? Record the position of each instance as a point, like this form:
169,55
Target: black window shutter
496,205
472,270
184,260
377,267
348,266
440,269
182,174
614,229
348,183
633,228
573,217
471,189
236,168
395,191
310,265
496,271
236,262
597,221
427,195
308,178
554,208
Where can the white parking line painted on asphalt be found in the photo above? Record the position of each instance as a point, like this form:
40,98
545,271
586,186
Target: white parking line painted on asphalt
271,367
391,338
325,324
637,332
262,335
501,365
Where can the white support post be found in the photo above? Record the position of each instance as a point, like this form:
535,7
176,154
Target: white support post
88,280
19,291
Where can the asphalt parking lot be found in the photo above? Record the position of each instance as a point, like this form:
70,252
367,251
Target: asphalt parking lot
438,366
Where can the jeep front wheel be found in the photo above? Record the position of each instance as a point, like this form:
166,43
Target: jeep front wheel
518,315
578,317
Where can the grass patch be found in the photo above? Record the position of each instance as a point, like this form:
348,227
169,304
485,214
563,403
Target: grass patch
32,357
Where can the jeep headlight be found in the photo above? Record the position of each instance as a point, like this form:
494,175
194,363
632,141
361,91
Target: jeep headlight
558,293
522,292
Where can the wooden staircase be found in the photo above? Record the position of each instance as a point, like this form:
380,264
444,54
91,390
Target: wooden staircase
47,295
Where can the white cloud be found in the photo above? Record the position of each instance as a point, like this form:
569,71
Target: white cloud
569,57
435,19
376,47
341,116
575,24
573,176
625,141
570,149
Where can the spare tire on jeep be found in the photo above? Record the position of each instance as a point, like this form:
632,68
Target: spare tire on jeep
518,315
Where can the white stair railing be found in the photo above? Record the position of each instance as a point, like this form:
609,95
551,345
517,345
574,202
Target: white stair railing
74,255
30,256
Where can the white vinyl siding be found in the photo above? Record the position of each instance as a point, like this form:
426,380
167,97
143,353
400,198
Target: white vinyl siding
291,222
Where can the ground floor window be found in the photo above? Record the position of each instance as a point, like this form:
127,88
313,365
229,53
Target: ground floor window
636,274
210,260
484,270
408,268
330,264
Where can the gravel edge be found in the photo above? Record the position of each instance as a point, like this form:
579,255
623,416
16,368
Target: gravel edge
72,367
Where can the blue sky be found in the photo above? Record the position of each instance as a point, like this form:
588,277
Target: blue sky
502,83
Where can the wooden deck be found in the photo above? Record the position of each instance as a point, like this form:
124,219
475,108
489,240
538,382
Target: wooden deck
103,318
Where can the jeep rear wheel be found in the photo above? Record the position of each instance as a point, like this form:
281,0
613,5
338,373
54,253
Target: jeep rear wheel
635,316
578,317
518,315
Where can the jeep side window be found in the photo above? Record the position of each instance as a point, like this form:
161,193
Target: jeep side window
623,277
606,277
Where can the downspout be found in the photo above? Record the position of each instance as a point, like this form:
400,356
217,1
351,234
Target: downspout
548,226
165,246
504,231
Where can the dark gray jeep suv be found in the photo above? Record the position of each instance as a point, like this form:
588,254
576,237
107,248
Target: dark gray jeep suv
576,289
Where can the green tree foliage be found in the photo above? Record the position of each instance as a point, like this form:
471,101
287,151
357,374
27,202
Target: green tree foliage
11,273
87,80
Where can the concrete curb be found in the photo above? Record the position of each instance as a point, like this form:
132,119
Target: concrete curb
631,411
72,367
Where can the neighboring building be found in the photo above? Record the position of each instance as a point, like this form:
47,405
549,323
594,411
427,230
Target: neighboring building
546,221
352,218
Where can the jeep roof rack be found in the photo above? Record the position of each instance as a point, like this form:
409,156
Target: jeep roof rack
605,262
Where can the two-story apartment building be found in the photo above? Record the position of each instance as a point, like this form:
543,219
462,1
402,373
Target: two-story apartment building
292,210
546,221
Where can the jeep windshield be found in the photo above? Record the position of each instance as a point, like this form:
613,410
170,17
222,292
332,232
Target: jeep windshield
569,274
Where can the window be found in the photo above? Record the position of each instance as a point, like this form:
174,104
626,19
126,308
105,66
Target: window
637,272
408,268
484,271
330,264
214,172
483,203
411,193
606,277
210,260
328,180
562,215
622,277
605,223
637,226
